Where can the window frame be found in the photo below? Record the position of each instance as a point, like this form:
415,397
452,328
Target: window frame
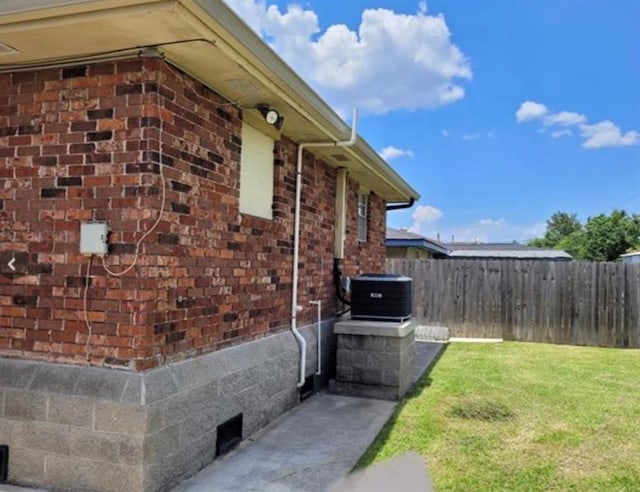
363,217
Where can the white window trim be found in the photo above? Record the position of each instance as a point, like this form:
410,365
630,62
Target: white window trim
363,216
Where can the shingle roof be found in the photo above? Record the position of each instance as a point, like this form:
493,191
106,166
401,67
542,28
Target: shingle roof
401,237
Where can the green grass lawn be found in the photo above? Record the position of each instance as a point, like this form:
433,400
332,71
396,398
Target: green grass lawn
520,416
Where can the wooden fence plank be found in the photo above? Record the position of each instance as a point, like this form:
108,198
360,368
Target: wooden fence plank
580,303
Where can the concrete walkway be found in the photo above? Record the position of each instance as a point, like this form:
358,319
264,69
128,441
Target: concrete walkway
310,447
307,449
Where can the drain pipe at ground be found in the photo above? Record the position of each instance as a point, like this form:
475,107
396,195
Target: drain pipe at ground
319,334
296,241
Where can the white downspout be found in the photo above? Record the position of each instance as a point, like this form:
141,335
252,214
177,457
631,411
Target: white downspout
296,240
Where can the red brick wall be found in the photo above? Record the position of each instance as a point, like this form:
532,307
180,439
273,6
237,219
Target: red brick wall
86,143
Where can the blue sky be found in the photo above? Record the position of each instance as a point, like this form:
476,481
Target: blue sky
498,112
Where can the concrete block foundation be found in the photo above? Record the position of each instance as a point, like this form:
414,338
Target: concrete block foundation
98,429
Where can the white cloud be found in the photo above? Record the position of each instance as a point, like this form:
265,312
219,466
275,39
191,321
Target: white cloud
530,111
482,230
393,61
564,118
445,133
561,133
606,134
391,152
595,136
476,135
424,215
492,222
534,230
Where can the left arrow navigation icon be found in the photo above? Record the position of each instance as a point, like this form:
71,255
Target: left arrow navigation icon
13,263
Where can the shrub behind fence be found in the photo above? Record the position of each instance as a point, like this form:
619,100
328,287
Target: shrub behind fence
577,303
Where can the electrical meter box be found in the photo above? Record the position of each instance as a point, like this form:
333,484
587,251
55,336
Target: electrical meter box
93,238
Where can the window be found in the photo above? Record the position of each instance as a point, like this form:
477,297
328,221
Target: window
256,173
363,210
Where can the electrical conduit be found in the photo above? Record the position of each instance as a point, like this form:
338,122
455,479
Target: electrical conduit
318,303
302,343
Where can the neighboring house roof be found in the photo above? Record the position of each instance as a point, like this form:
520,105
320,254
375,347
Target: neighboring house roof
633,253
505,251
400,238
205,39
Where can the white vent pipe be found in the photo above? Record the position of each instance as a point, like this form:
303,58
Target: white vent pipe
296,240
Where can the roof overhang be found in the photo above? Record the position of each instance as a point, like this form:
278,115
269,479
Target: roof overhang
206,39
417,243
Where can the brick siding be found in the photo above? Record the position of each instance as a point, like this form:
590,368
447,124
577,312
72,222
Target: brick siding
87,143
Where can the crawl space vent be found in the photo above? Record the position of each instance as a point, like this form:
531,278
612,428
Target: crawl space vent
307,388
4,463
229,435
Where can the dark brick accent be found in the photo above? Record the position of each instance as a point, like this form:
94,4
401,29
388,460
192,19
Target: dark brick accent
223,114
124,90
122,248
49,160
175,336
30,301
160,328
95,158
74,72
98,136
99,114
83,126
151,155
8,131
215,158
181,187
77,281
53,193
185,302
74,181
85,148
29,129
180,208
168,238
150,122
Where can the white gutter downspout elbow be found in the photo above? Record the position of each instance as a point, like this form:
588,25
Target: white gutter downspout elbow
296,240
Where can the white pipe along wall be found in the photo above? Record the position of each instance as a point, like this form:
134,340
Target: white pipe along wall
296,240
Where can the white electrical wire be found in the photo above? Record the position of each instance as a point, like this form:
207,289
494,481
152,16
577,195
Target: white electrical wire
144,236
86,314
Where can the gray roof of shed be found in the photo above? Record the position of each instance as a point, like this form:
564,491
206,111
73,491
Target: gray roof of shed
504,250
402,237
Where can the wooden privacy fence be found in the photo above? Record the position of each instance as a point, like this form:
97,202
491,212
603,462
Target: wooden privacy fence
578,303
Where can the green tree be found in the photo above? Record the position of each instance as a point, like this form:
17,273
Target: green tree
606,237
560,226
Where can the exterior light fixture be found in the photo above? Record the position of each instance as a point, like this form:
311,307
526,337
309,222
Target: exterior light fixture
271,116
